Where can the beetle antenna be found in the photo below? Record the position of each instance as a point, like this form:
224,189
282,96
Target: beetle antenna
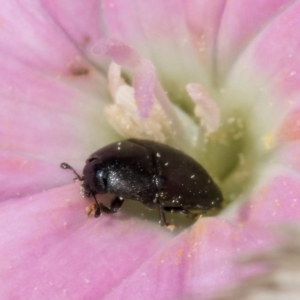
67,166
98,209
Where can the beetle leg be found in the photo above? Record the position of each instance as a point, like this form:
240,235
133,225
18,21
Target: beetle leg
114,206
162,217
98,208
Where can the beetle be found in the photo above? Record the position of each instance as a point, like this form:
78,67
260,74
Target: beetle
159,176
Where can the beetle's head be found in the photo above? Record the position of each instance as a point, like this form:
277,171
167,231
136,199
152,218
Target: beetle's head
92,182
94,178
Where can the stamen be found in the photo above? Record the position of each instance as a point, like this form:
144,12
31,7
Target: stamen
206,108
163,122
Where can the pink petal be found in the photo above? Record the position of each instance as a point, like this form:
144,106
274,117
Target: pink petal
195,265
276,202
236,33
222,31
22,174
203,260
117,51
79,21
53,250
157,31
277,66
273,95
47,125
203,21
51,100
137,23
280,65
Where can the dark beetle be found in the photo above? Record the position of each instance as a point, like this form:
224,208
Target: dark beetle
155,174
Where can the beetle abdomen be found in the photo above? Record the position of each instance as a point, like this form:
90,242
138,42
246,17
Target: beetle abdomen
186,183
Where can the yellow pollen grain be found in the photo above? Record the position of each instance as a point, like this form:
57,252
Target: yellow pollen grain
268,141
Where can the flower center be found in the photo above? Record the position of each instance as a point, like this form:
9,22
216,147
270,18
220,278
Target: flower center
216,133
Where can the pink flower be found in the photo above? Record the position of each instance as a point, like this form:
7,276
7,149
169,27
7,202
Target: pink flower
74,72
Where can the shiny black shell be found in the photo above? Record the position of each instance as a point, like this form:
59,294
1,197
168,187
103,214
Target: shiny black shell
152,173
